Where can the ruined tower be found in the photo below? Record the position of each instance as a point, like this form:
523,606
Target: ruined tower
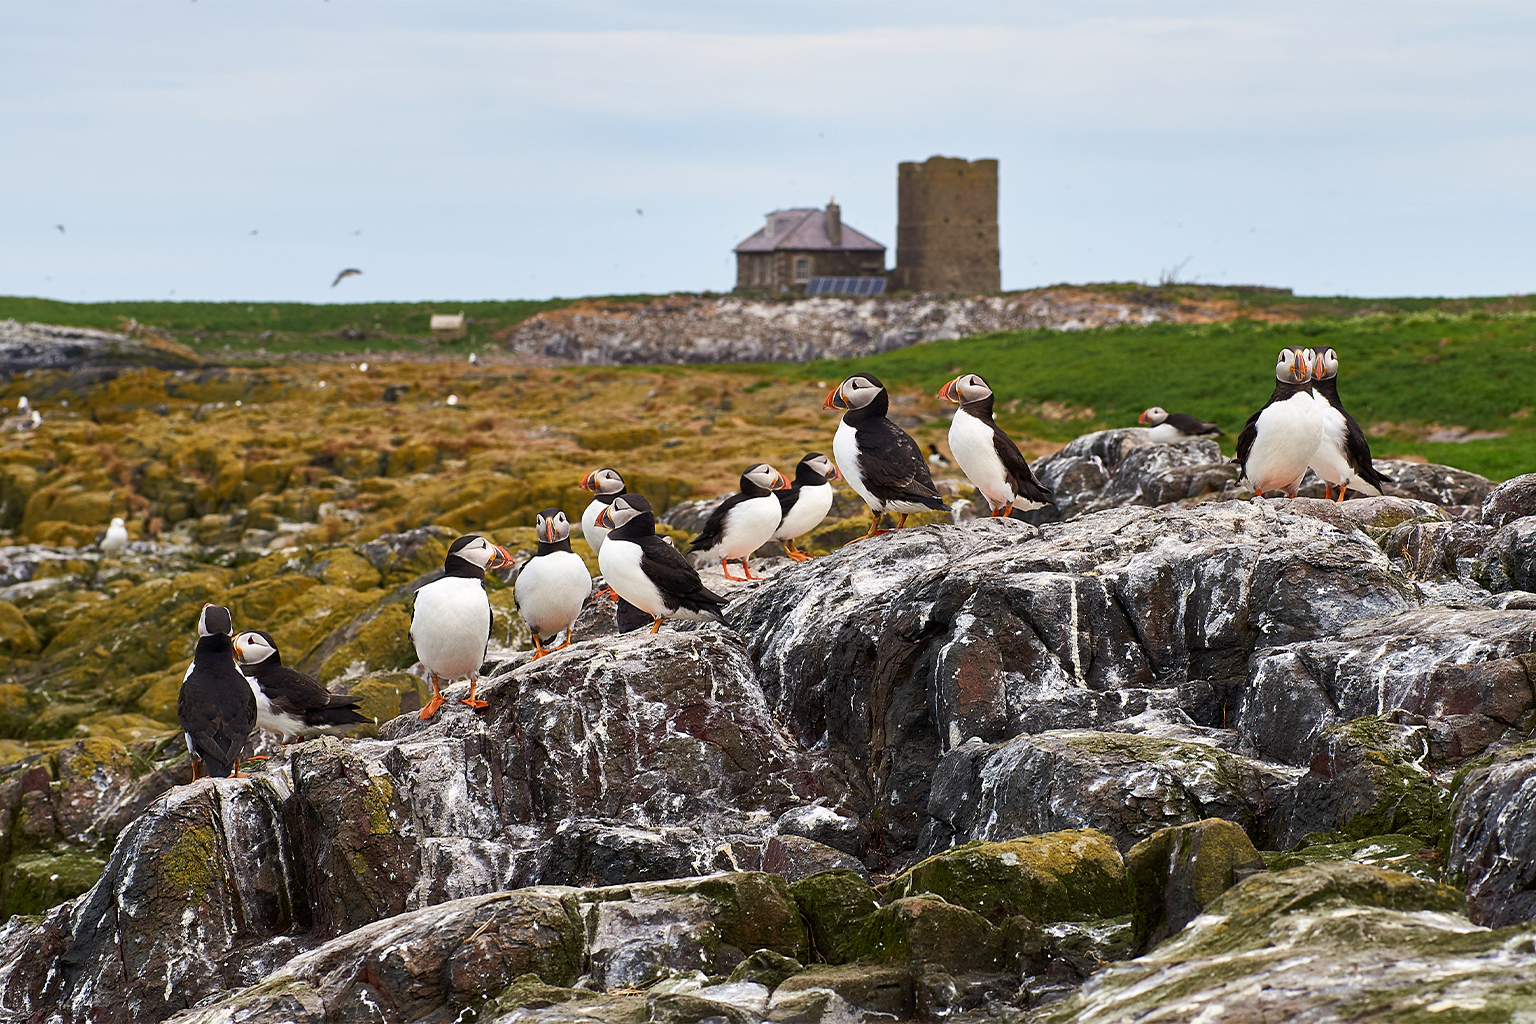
946,226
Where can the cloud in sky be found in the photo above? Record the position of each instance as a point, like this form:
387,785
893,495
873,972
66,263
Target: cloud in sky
485,151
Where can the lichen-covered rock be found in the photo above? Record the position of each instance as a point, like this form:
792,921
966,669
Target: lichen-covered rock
1059,876
1367,778
1177,872
1127,786
1324,942
833,904
1513,499
1492,848
639,934
1407,854
1459,669
873,988
413,967
766,968
918,930
895,652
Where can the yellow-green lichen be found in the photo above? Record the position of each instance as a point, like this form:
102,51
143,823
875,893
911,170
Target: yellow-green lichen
188,863
376,802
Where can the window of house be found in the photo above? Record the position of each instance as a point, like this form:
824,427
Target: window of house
802,268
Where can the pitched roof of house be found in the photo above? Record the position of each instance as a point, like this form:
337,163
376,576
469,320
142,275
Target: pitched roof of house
805,229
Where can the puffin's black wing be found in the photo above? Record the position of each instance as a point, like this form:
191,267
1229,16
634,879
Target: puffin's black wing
302,696
1017,467
674,577
1358,451
714,526
218,713
1184,423
892,466
1249,435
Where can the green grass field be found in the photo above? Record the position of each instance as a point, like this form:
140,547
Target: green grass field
1410,371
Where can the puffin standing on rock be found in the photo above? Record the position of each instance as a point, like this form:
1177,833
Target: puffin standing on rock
878,459
744,522
806,503
1282,437
987,456
451,624
649,573
216,707
1170,428
552,586
1343,457
289,702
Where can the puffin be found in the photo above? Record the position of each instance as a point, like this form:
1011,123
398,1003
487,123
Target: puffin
1281,438
987,456
116,537
744,522
288,702
806,502
605,485
215,707
878,459
936,457
1343,457
1170,428
649,573
451,624
552,586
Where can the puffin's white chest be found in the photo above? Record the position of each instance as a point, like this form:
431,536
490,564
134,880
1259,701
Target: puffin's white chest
845,452
268,717
809,509
975,449
451,626
1166,433
748,526
550,591
1288,433
620,563
594,534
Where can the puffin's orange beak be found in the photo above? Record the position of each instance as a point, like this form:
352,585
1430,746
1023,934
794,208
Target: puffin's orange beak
950,392
835,400
782,483
837,474
1142,418
549,531
587,484
503,558
604,519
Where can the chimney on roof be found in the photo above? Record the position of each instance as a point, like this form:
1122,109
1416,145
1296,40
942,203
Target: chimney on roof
834,223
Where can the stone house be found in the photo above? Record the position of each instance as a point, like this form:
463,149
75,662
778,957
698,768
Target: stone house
798,244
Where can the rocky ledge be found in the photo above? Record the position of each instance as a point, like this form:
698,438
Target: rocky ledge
25,347
1143,757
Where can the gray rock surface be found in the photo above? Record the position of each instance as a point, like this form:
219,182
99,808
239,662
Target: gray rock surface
26,347
1493,837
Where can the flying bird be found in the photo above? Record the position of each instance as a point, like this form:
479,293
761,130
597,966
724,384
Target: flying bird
349,272
253,232
60,227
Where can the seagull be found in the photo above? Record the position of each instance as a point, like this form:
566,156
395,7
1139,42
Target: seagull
60,227
640,212
344,274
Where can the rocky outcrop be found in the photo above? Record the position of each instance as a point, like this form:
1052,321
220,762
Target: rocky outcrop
685,329
1319,943
26,347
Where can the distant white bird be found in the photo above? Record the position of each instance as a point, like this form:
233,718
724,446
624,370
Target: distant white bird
349,272
116,538
453,400
363,367
473,359
23,405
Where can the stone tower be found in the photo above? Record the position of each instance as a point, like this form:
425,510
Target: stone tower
946,226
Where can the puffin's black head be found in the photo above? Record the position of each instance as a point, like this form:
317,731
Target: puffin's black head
603,481
630,510
256,647
815,469
214,621
761,479
861,391
966,388
1153,416
472,555
1327,363
1295,365
552,526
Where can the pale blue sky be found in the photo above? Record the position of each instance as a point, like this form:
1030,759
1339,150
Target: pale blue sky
501,150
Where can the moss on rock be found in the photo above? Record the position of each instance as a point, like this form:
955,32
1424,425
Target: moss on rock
1177,872
1074,875
833,905
32,883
